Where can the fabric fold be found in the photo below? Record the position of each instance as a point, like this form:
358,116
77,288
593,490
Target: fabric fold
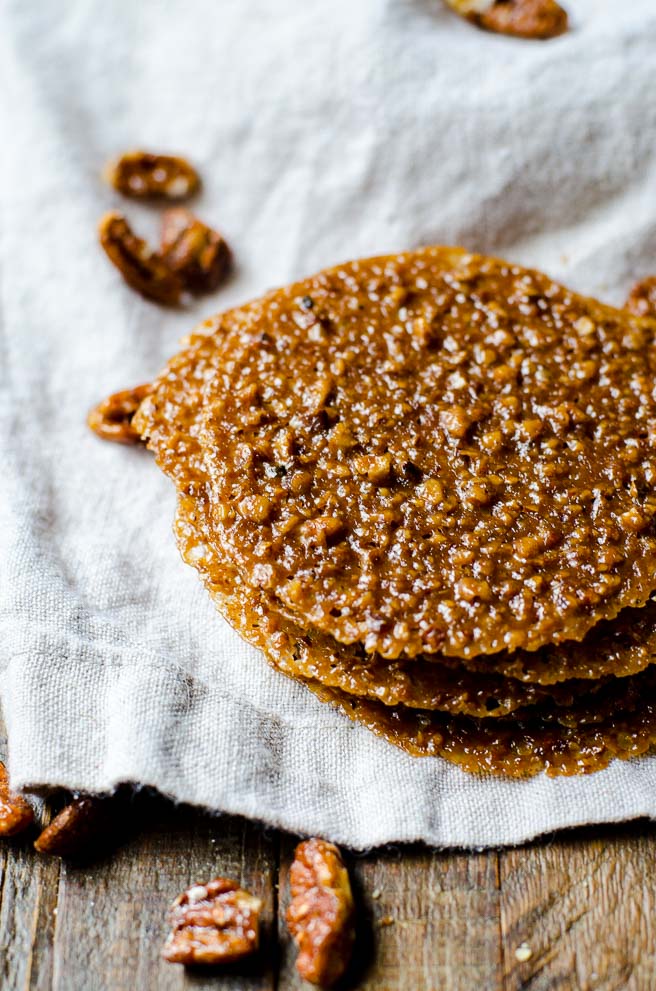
323,131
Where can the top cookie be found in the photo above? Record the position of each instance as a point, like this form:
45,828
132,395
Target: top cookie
434,452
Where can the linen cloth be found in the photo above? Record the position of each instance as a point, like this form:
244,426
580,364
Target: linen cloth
324,130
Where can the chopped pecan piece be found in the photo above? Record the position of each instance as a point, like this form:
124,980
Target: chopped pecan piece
642,298
213,923
143,175
195,252
320,916
323,530
15,813
141,267
112,418
76,828
522,18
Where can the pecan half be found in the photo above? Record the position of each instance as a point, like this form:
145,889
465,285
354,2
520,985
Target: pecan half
15,813
143,175
195,252
78,827
112,418
521,18
212,923
142,268
642,298
320,916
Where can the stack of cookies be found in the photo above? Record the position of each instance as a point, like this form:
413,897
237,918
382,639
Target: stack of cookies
423,485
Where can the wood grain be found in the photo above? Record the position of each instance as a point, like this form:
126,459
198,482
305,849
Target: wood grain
28,902
111,916
584,907
431,921
572,912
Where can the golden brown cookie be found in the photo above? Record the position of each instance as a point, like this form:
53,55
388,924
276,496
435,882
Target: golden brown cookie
431,452
566,737
510,748
620,647
311,654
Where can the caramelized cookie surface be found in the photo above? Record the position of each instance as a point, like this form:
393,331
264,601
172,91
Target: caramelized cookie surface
431,452
569,731
512,748
311,654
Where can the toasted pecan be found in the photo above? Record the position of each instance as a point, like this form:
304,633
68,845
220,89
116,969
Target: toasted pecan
144,175
16,814
213,923
111,419
142,268
199,255
320,916
75,829
539,19
642,298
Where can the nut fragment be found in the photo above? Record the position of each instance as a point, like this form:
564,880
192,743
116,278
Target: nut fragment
142,175
320,916
467,7
376,467
213,923
195,252
78,826
324,530
112,418
642,298
521,18
15,813
141,267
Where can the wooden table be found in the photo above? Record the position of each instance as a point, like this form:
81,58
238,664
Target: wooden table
575,911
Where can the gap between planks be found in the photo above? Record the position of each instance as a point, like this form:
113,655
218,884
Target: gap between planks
581,904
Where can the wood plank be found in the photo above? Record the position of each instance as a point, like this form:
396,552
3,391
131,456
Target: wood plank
430,921
111,915
576,911
28,900
583,906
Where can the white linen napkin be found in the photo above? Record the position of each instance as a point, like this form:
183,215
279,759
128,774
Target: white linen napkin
324,130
